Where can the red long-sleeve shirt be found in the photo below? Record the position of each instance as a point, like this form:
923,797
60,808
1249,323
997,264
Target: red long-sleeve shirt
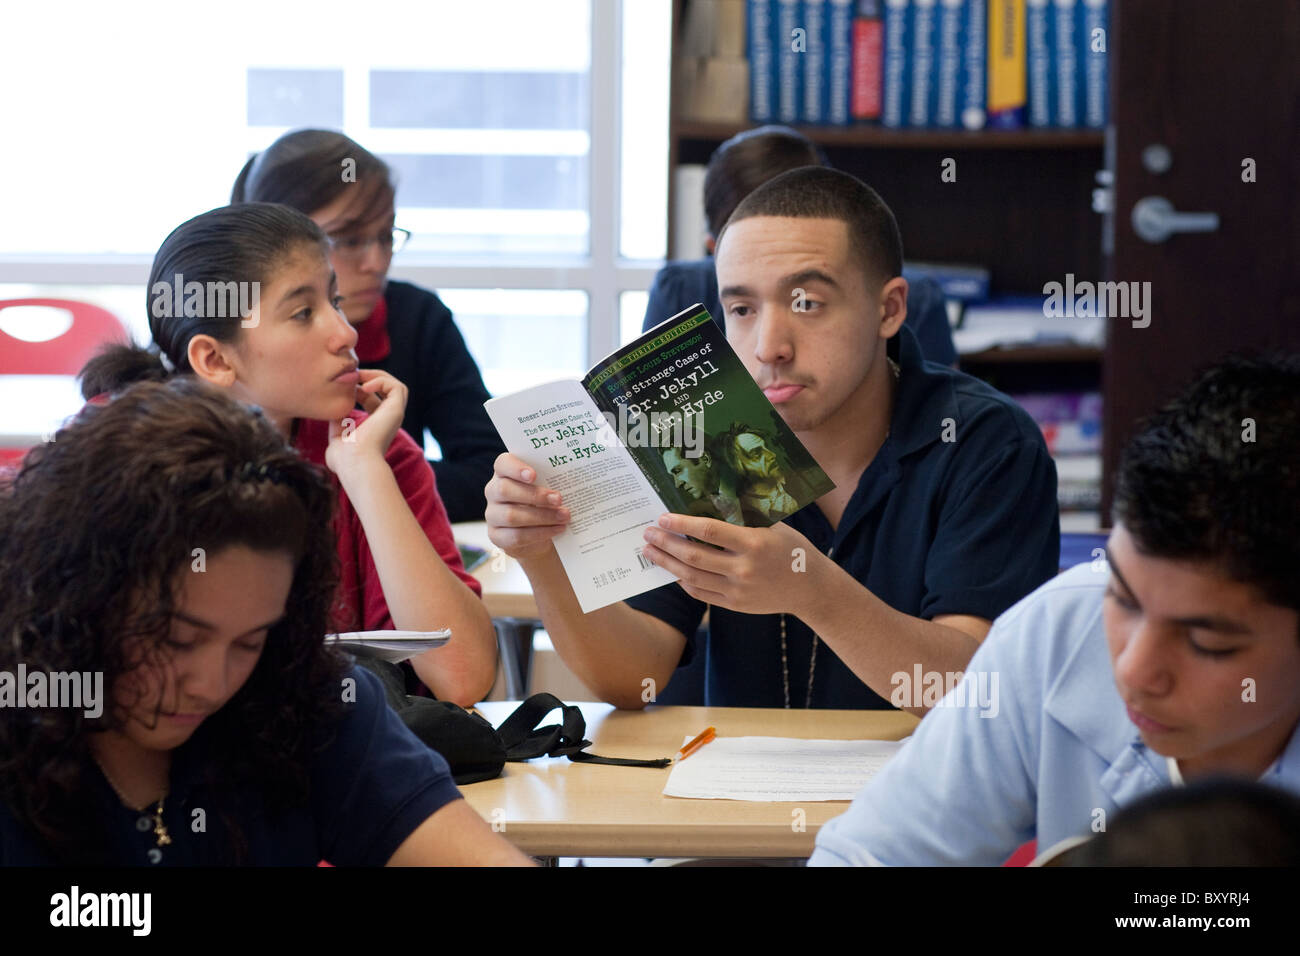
361,604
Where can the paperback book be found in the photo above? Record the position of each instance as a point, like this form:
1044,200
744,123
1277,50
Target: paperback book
669,422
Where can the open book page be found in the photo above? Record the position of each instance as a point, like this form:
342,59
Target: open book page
703,432
779,769
557,430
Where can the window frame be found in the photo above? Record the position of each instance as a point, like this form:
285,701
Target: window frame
603,274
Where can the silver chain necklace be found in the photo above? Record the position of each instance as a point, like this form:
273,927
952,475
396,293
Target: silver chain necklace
785,669
812,658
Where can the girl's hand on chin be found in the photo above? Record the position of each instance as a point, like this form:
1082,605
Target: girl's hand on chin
351,445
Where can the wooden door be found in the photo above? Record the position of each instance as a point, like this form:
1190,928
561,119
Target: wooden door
1205,113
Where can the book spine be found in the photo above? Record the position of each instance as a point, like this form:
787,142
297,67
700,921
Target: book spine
1039,29
924,19
1094,39
762,70
974,64
1065,48
1071,438
868,62
948,73
791,45
1006,92
897,62
839,61
816,86
968,284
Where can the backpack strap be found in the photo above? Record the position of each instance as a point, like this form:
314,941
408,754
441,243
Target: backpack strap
524,740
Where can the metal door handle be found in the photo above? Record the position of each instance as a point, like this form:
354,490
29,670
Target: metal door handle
1155,219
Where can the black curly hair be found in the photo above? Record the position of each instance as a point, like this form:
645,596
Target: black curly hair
98,526
1214,475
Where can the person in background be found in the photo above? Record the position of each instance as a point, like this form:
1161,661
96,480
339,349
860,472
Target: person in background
282,344
736,169
401,329
1175,659
170,545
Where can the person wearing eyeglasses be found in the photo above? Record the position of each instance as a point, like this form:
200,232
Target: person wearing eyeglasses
402,329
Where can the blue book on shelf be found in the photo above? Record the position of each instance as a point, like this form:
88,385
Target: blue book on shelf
839,61
966,283
948,53
1040,32
897,81
924,34
789,60
1094,44
974,64
759,27
815,21
960,48
1068,17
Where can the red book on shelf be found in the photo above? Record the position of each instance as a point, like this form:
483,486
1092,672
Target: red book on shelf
868,36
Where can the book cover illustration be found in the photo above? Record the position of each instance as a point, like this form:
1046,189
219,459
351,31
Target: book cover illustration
702,431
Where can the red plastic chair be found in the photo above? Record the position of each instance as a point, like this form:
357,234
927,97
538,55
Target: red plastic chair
1024,855
91,328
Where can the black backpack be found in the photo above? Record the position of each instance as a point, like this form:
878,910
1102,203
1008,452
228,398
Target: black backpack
476,750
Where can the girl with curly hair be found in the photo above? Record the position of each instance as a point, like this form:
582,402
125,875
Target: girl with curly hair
172,544
244,298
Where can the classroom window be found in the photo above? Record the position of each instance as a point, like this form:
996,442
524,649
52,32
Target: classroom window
295,97
455,99
503,120
521,337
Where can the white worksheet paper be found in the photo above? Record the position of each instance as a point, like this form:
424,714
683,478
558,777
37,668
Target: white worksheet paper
783,769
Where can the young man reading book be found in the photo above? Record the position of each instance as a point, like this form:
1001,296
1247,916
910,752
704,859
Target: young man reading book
1180,660
943,516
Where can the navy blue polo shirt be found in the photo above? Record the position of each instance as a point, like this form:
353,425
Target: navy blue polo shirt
679,285
934,527
371,787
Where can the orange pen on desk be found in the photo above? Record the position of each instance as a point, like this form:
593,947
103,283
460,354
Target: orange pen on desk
708,734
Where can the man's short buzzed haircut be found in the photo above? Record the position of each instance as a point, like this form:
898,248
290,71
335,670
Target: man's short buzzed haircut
1213,477
819,193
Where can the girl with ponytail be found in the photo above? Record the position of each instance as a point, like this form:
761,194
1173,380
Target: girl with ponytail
244,298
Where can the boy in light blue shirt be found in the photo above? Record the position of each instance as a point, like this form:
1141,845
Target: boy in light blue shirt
1175,656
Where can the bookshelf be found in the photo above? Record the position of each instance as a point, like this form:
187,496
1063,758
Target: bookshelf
1021,206
878,137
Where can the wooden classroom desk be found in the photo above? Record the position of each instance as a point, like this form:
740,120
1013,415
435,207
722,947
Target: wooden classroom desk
506,592
552,806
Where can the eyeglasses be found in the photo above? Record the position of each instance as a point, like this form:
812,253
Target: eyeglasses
354,247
